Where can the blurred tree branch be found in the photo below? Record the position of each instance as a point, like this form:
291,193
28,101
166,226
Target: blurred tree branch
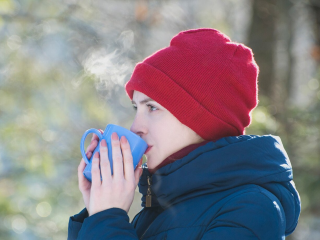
262,41
315,8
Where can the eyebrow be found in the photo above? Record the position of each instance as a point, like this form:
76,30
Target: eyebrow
143,101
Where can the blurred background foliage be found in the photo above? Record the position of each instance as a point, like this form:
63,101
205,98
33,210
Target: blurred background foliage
63,66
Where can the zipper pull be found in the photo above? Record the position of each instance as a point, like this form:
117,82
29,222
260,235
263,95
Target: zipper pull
148,197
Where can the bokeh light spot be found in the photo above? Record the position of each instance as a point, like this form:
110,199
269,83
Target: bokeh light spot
48,135
14,42
44,209
260,116
19,224
313,84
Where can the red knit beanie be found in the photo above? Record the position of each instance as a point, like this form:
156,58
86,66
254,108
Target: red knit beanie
206,81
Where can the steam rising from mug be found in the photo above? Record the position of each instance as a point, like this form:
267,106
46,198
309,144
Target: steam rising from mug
109,67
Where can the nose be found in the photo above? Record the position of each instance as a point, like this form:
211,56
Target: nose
139,126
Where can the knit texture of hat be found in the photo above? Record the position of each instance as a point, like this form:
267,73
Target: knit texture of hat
206,81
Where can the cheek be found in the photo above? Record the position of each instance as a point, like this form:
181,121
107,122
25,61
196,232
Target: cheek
170,138
163,137
168,134
164,131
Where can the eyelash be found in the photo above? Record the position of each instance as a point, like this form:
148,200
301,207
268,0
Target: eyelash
135,108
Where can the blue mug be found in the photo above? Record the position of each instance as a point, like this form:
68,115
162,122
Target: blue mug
137,145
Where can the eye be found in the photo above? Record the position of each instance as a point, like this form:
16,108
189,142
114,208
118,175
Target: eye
152,107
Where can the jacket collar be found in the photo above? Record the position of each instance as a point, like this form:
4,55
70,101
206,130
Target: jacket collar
226,163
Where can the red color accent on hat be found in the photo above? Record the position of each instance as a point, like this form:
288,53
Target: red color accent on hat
206,81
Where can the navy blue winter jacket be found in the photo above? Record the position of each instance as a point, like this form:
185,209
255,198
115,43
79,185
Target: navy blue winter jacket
235,188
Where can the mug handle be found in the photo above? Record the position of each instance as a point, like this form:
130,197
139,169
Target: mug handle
92,130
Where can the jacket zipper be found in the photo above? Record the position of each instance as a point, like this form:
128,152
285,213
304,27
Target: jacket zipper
148,197
148,201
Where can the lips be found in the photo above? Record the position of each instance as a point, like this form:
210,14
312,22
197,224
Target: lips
148,149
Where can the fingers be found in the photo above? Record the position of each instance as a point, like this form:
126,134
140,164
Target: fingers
93,144
95,136
104,162
127,159
81,166
116,157
138,172
81,178
95,171
89,154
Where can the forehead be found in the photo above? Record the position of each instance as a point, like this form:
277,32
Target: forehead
139,97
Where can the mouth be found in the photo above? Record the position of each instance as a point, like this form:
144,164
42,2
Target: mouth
148,149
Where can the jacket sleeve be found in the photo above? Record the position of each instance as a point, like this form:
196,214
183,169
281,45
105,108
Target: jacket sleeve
112,223
249,216
75,223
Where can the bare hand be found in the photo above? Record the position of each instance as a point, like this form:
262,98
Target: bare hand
115,190
84,184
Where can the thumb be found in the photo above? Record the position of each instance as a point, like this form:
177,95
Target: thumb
138,172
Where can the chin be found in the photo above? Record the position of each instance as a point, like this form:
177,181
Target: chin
149,161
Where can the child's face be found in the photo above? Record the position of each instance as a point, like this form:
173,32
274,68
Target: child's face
160,129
